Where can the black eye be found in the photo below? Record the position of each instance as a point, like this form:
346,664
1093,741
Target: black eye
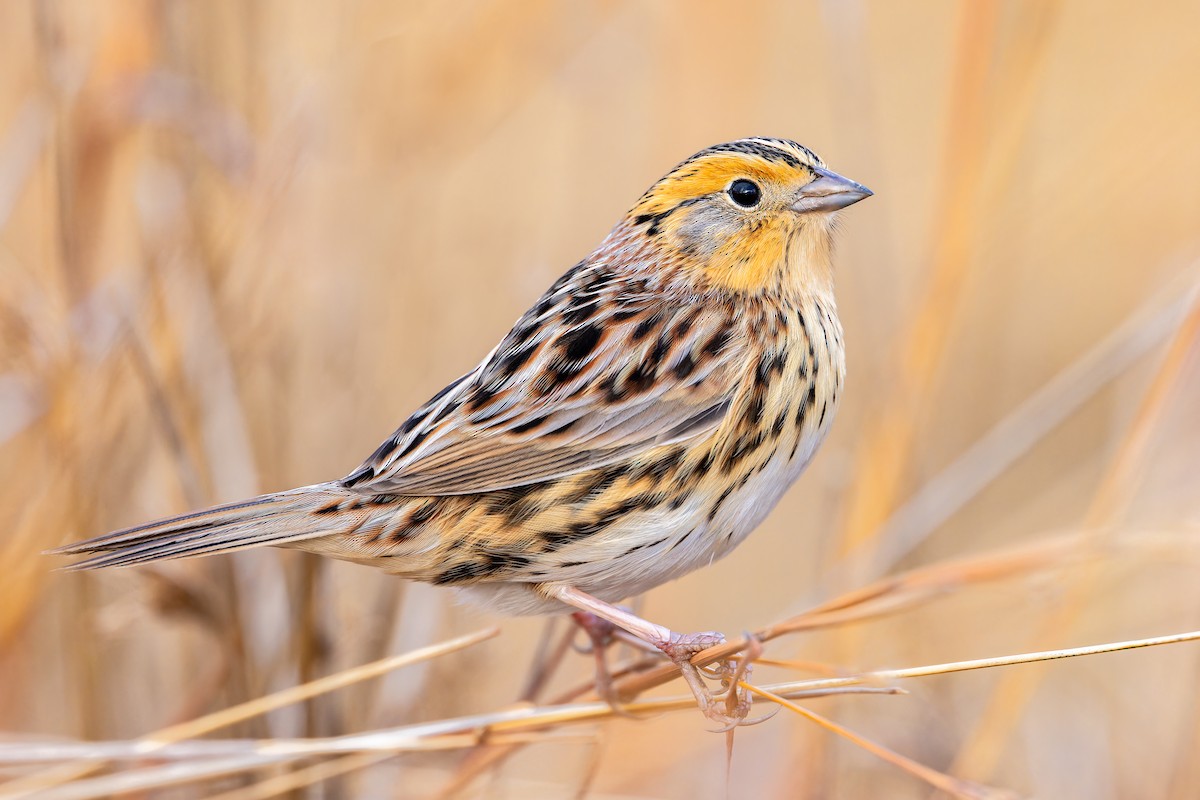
745,193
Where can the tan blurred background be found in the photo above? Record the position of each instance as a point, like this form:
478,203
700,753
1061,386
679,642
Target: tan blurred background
239,242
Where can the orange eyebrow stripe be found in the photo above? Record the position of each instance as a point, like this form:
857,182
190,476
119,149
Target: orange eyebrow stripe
710,174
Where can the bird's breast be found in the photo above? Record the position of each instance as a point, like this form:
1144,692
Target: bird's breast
785,408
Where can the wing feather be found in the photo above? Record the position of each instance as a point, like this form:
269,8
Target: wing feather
594,374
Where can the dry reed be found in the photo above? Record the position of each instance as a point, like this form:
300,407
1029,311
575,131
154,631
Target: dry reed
239,241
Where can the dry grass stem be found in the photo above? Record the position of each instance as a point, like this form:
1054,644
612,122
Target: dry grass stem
939,498
154,742
1110,503
315,688
938,780
510,726
305,776
240,241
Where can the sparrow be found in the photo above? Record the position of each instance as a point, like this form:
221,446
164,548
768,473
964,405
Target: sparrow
635,424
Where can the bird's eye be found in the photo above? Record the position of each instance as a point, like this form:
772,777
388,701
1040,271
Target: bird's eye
745,193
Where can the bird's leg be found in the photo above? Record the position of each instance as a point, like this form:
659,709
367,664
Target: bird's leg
678,647
600,632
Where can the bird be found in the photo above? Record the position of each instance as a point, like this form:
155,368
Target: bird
634,425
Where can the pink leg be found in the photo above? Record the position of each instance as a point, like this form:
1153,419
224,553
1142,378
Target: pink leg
678,647
600,632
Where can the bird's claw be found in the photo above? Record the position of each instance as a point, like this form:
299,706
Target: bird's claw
729,672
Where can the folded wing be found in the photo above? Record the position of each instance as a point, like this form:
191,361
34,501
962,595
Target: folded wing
587,378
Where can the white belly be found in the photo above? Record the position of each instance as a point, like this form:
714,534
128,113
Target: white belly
648,548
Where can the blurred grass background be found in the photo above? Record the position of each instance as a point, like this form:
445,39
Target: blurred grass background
239,242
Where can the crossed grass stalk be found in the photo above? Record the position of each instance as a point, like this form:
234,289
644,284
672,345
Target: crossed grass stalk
491,736
496,735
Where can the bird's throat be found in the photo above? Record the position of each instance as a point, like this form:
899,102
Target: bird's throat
794,260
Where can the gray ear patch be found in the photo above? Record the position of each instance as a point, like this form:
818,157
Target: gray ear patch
708,224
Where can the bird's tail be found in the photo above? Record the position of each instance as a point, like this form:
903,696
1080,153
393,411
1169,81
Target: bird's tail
272,519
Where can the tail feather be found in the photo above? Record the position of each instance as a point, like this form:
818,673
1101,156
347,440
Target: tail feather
272,519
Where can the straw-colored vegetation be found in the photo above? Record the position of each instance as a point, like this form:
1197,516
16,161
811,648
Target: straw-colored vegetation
239,241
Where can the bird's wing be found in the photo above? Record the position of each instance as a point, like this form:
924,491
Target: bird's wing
580,382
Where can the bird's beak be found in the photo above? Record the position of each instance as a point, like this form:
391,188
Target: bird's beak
829,192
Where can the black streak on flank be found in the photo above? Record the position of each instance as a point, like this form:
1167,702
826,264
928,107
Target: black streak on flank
635,548
767,366
680,541
553,540
742,448
812,348
757,406
809,401
423,513
461,573
780,421
603,479
712,512
493,562
666,463
498,560
521,511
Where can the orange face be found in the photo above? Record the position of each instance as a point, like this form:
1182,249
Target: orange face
749,216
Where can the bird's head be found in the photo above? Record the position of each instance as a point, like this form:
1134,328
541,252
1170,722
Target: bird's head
750,215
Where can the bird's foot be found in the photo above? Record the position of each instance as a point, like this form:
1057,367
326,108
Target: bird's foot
729,707
603,621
